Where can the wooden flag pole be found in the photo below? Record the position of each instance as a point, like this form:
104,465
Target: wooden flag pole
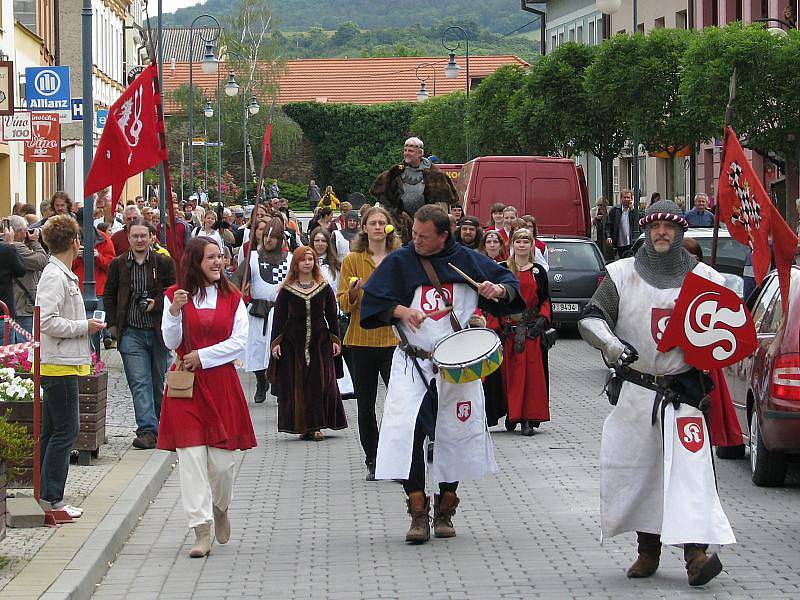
728,123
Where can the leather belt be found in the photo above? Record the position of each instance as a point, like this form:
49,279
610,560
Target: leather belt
415,352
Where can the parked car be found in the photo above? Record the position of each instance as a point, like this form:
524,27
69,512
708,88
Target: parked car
576,269
765,387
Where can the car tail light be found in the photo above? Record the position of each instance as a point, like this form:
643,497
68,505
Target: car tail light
600,279
785,384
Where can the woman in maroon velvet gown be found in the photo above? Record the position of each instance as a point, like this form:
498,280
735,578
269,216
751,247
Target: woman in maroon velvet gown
305,342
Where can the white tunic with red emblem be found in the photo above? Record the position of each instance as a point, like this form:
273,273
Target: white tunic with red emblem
649,481
464,448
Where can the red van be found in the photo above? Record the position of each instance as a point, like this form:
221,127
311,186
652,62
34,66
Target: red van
551,189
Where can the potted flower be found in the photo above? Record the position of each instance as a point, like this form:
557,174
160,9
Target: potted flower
16,406
16,447
93,393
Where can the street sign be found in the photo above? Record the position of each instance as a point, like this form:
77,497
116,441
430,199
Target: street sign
17,127
47,90
102,117
77,109
199,141
6,87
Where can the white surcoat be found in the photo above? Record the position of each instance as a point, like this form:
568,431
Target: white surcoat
649,481
464,448
256,354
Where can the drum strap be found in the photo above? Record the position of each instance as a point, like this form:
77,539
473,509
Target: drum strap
431,272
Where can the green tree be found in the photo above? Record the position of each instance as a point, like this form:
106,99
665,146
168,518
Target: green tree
766,111
439,122
353,142
488,124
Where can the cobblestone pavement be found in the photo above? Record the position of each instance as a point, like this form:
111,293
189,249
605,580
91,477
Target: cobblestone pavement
307,525
20,545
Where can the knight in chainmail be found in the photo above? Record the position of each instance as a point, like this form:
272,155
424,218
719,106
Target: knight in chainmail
625,320
407,186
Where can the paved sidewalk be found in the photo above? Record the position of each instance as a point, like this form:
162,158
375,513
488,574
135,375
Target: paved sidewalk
39,557
307,525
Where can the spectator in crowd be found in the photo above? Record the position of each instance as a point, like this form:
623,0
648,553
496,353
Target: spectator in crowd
304,342
340,222
313,195
10,266
458,212
120,238
205,322
700,216
103,255
469,233
65,355
34,260
496,217
274,190
370,350
153,202
493,246
509,216
348,233
599,219
140,203
329,199
622,226
134,300
655,197
321,219
209,228
17,209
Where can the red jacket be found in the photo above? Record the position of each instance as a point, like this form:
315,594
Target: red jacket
106,253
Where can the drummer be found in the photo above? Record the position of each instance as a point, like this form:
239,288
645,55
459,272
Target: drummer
409,289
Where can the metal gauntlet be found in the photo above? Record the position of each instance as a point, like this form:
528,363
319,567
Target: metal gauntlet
597,333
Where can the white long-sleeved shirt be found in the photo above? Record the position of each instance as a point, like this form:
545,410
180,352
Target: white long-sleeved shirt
212,356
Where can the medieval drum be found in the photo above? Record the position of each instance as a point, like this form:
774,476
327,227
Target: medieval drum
468,355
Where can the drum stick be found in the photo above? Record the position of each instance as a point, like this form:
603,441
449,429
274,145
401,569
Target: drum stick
469,279
439,313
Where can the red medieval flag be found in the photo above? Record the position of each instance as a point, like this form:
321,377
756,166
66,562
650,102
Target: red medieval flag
710,324
130,137
784,246
744,204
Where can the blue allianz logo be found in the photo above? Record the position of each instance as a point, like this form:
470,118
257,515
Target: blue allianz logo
47,82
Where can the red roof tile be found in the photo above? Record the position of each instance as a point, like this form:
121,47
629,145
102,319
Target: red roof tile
356,80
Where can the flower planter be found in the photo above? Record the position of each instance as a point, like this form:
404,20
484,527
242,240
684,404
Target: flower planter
22,413
92,399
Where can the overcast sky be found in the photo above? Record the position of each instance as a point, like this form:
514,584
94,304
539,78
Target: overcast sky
173,5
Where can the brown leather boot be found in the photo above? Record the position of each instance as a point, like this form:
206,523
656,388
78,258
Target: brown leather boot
444,507
419,507
649,549
202,544
700,568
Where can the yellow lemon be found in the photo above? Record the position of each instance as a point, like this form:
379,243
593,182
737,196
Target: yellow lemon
353,280
388,229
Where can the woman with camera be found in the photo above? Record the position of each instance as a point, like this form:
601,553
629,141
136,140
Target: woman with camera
205,322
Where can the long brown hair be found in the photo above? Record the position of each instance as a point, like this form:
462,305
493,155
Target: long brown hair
360,243
192,279
520,233
331,255
294,268
482,246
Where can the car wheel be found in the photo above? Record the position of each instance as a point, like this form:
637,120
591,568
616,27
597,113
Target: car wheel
731,452
767,468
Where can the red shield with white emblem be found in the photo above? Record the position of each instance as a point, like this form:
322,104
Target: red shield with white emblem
690,432
431,301
710,324
463,410
659,317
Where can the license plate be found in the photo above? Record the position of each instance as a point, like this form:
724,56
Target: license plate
565,307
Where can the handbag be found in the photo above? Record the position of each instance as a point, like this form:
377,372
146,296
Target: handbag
180,382
260,308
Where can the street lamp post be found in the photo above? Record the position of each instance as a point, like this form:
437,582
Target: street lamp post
251,108
208,112
452,69
609,7
422,95
210,65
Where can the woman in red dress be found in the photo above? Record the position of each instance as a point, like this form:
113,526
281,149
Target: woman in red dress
523,369
493,246
205,321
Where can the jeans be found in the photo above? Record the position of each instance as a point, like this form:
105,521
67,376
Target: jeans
145,360
366,364
60,424
27,324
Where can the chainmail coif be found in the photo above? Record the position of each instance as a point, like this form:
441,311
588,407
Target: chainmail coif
664,270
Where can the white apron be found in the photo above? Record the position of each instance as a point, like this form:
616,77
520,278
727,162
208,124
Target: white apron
345,382
635,485
464,448
256,353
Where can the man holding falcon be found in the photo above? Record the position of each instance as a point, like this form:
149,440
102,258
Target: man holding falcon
656,470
